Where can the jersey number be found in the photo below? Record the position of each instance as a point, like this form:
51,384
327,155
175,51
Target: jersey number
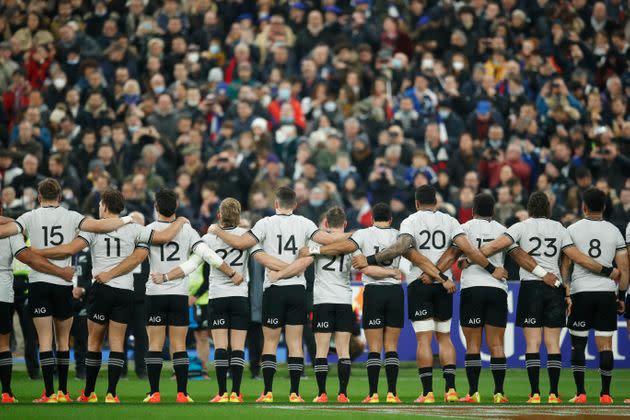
223,253
438,239
552,249
480,242
109,246
595,248
54,237
384,263
171,256
328,267
288,246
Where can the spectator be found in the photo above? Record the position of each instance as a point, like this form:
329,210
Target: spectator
29,178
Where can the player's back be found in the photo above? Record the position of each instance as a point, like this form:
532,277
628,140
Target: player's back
219,284
480,232
332,279
9,247
164,257
47,227
372,240
110,249
599,240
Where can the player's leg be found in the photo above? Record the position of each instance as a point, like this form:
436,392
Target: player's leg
96,335
154,359
273,321
533,339
295,318
473,357
116,338
238,335
342,345
604,321
374,338
62,340
373,326
554,359
579,326
322,345
6,362
529,316
495,337
221,359
177,337
45,332
202,347
420,312
443,314
392,363
603,340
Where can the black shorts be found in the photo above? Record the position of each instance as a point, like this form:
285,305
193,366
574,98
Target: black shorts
200,315
483,305
428,301
106,303
593,310
333,317
540,305
167,310
228,312
284,305
47,299
627,312
6,317
383,306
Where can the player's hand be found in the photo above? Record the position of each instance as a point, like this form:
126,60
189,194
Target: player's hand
615,275
397,274
621,307
103,277
304,252
237,279
426,279
214,228
77,292
569,303
157,278
359,262
550,280
450,286
67,273
500,273
192,300
137,218
463,263
183,220
273,276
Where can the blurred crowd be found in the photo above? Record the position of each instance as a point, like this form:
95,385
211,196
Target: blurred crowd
351,102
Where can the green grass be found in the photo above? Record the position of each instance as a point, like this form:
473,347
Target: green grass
132,390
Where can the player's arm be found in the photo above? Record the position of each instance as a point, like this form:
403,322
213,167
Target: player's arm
61,252
164,236
525,261
424,264
587,262
378,272
623,265
204,252
41,264
104,225
496,246
343,247
296,268
478,258
125,266
566,268
8,229
268,261
242,242
177,272
327,238
403,244
448,258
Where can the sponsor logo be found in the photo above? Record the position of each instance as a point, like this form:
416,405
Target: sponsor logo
529,321
373,322
98,317
579,324
474,321
155,319
273,321
323,325
218,322
422,312
39,311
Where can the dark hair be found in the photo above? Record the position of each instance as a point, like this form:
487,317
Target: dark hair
425,194
336,217
166,202
483,205
538,205
113,200
594,199
582,172
49,189
381,212
286,197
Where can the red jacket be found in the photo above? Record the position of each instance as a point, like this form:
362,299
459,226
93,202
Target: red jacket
274,110
36,72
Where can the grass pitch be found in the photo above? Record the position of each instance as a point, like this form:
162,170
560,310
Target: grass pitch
132,390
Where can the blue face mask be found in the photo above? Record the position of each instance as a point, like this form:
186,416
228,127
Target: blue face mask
287,120
159,89
73,62
215,49
444,114
316,203
131,98
495,144
284,94
133,128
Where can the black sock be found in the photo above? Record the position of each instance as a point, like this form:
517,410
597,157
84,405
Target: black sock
343,371
578,362
6,366
180,365
92,367
268,366
63,364
532,363
114,370
391,370
373,369
448,371
47,362
606,364
554,367
426,377
473,370
237,365
498,366
296,366
221,366
321,373
154,362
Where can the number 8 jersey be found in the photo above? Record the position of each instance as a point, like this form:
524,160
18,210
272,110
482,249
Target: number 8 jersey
544,240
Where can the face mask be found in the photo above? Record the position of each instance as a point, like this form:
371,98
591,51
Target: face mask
599,51
159,89
396,63
284,94
427,63
59,83
495,144
193,57
444,114
73,62
215,49
133,128
265,101
330,106
458,65
131,98
100,13
316,203
287,120
192,102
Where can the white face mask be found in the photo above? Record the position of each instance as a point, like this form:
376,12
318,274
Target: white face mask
427,63
458,65
265,101
192,102
59,83
193,57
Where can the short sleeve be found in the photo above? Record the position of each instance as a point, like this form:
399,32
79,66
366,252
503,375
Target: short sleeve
620,242
193,237
22,222
144,235
565,237
17,244
456,229
256,248
406,227
357,238
77,219
140,236
514,232
628,234
259,231
311,229
88,237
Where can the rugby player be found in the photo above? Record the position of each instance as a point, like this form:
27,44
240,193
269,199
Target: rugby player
623,293
284,302
50,297
543,305
594,296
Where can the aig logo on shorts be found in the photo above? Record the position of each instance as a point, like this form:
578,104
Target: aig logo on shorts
579,324
155,319
474,321
529,321
323,325
423,312
273,321
374,322
218,322
98,317
39,311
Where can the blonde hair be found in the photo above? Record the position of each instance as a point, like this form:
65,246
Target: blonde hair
230,210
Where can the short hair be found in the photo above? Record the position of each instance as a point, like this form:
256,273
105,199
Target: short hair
336,217
483,205
49,189
113,200
582,172
381,212
425,194
286,197
230,211
166,202
595,199
538,205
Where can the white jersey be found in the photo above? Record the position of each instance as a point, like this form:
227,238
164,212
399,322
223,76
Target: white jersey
600,240
282,236
163,258
480,232
627,244
433,233
9,248
110,249
543,239
220,285
372,240
47,227
332,279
